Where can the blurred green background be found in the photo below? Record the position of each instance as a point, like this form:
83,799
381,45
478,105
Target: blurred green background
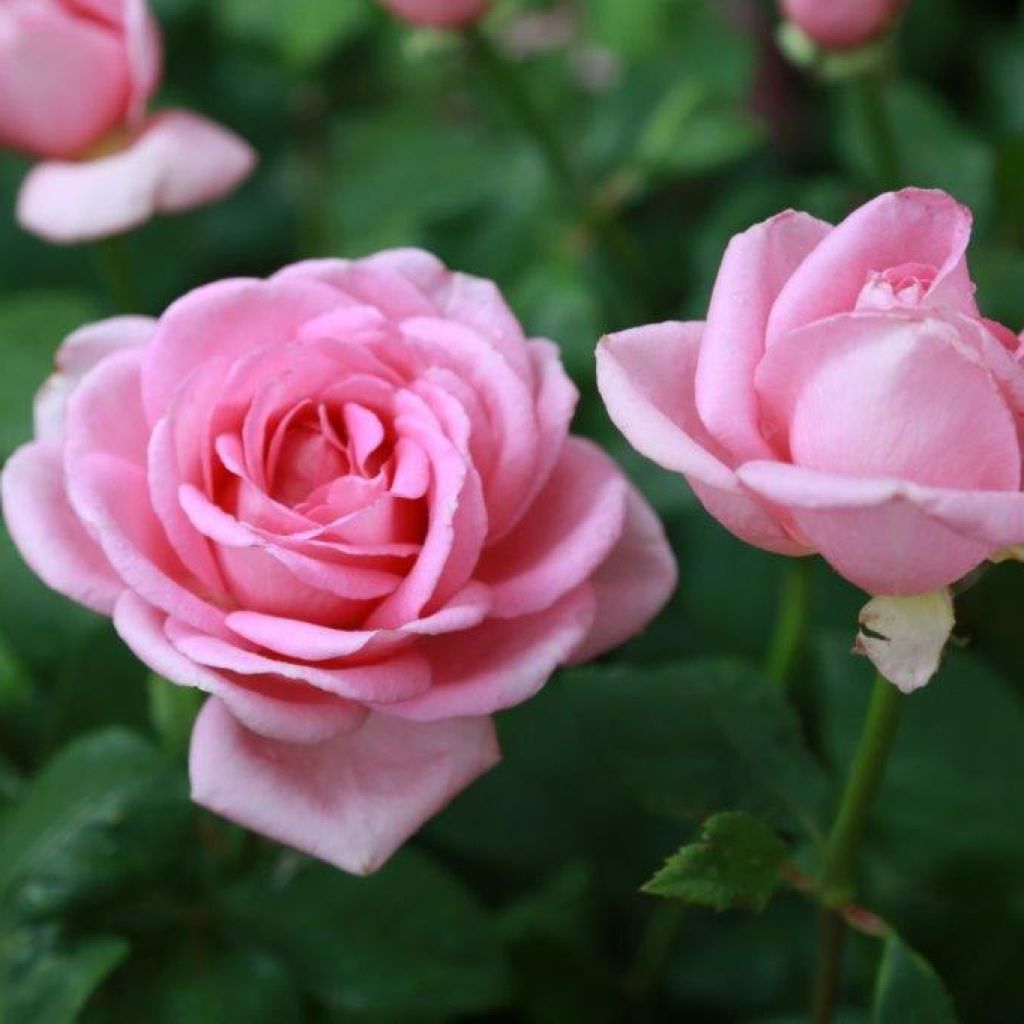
121,902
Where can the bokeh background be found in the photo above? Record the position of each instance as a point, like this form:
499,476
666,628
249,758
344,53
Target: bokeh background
121,902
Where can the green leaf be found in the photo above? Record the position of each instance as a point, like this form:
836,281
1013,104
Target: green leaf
692,736
47,980
173,710
407,939
908,990
32,325
107,811
736,864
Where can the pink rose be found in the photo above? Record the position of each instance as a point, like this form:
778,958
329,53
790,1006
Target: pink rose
438,13
343,502
841,24
843,397
75,79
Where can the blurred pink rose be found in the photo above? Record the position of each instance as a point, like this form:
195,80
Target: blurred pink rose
344,502
844,396
438,13
75,79
840,24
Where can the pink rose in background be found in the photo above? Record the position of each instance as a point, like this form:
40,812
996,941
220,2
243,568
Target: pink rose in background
844,396
345,503
438,13
841,24
75,80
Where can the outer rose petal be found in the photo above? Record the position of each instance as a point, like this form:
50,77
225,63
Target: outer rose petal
77,355
573,525
178,160
272,707
755,268
914,226
351,801
646,378
437,13
891,537
633,585
48,533
143,49
501,663
64,81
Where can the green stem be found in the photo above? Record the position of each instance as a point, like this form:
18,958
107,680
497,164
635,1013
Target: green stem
115,264
656,945
885,152
791,624
508,85
837,881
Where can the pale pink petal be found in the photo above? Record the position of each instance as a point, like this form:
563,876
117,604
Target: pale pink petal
144,51
646,378
276,708
634,583
754,270
225,321
891,537
555,402
501,663
573,525
47,532
178,160
915,226
890,395
351,801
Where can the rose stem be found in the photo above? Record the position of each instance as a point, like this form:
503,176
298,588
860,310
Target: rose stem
791,624
507,83
837,878
869,91
115,265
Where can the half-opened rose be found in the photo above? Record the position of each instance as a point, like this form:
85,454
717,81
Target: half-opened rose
438,13
844,396
343,502
842,24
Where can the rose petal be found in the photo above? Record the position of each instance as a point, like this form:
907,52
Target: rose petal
646,378
755,268
351,801
918,226
275,708
634,583
906,636
501,663
177,161
47,532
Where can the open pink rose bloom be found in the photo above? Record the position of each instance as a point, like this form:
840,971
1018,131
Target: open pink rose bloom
344,503
76,77
841,24
844,396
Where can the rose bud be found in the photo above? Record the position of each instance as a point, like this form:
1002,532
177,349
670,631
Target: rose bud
75,80
345,503
842,24
438,13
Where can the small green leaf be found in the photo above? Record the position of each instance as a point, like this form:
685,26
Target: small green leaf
908,991
407,939
735,864
47,980
106,811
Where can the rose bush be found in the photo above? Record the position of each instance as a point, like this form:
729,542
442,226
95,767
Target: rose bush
438,13
845,396
841,24
344,502
76,77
